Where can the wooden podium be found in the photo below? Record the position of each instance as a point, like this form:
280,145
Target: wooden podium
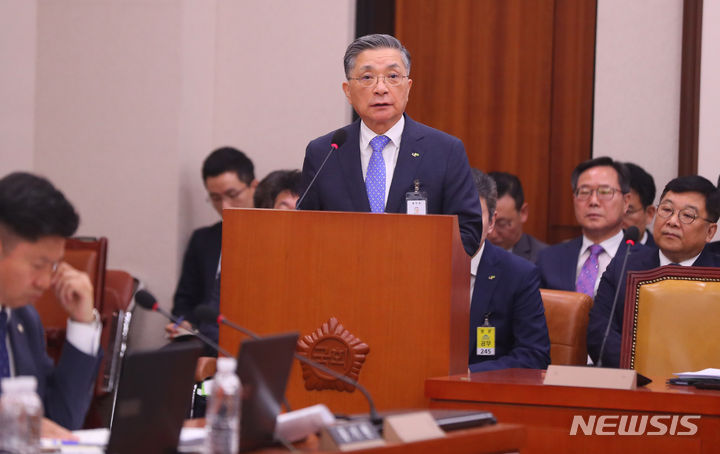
398,286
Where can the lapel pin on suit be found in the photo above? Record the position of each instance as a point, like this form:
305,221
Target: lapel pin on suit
491,277
20,328
415,155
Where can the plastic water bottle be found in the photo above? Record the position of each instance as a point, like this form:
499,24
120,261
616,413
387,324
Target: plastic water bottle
21,414
222,415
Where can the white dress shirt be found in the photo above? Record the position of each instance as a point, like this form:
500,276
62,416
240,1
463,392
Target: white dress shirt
610,247
390,152
666,261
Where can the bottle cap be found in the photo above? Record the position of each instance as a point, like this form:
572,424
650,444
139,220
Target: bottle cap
226,364
25,383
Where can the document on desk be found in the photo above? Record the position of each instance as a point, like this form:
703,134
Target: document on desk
701,374
95,440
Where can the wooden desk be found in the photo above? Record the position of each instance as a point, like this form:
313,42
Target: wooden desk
500,438
518,396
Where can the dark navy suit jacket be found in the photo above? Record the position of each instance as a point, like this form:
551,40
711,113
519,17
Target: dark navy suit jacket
558,264
507,288
435,158
640,258
65,389
198,280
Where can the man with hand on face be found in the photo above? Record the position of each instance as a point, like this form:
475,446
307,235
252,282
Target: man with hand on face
600,197
641,208
512,213
386,154
507,319
685,222
35,220
229,178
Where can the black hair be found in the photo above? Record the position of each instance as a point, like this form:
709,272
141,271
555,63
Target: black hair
229,159
273,184
696,183
622,171
642,183
32,208
509,184
486,189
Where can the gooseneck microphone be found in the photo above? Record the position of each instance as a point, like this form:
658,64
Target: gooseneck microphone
208,314
632,234
146,300
337,141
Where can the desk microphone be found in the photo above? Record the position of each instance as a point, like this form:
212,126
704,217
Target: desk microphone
632,234
146,300
208,314
337,141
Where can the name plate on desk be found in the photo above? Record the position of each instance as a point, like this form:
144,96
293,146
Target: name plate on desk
590,377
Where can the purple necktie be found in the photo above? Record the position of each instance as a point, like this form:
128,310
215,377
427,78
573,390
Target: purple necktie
4,358
589,272
375,178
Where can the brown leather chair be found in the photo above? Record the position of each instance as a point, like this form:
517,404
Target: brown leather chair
85,254
671,321
567,320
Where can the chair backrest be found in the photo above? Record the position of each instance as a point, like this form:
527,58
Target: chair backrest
567,320
84,254
671,320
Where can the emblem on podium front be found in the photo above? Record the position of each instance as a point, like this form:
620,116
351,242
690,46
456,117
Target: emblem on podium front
333,346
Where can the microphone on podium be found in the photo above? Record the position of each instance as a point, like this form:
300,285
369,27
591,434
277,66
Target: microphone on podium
337,141
208,314
632,234
146,300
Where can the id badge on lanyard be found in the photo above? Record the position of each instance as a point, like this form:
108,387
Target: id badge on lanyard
416,200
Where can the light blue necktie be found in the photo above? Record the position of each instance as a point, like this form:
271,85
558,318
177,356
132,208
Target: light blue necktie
4,358
375,178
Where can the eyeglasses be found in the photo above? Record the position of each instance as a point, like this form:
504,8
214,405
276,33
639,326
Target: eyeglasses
231,195
369,80
604,193
686,215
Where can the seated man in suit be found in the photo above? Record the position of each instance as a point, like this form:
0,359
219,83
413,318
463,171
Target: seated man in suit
506,311
641,208
685,222
600,195
512,213
387,155
279,190
35,220
229,178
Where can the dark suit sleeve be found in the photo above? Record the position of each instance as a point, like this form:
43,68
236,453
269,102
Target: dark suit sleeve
460,197
189,292
599,316
544,267
70,387
531,345
65,389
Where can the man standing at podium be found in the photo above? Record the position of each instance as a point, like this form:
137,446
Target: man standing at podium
387,159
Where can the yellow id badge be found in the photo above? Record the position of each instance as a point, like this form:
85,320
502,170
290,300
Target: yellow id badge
485,340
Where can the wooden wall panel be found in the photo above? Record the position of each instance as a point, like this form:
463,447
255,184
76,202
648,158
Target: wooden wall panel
572,108
485,71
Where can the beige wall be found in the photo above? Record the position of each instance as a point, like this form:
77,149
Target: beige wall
709,140
119,101
17,84
637,84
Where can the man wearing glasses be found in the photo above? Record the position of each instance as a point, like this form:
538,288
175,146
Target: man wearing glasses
601,189
386,152
685,222
229,178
